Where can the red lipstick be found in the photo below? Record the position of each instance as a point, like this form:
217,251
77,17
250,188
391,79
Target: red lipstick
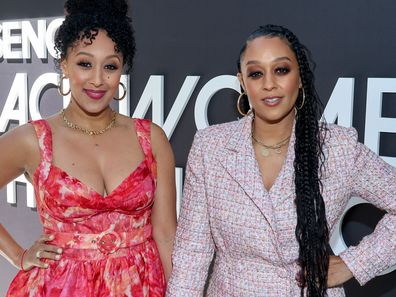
95,94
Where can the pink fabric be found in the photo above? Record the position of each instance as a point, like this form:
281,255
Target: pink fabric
121,258
226,210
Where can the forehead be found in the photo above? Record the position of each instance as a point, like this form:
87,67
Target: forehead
267,49
100,45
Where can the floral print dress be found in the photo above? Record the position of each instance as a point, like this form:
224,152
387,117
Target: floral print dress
108,249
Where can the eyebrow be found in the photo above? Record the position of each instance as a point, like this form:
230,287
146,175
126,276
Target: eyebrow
253,62
90,55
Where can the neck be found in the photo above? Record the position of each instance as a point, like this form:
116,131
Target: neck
92,121
273,132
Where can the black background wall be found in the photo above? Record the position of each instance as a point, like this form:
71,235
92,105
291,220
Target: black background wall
176,39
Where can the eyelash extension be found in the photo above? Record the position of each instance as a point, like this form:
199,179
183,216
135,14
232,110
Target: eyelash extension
254,74
111,67
282,70
83,64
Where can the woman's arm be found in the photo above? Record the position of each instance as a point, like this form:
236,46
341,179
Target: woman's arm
163,216
9,248
194,246
15,147
373,179
20,154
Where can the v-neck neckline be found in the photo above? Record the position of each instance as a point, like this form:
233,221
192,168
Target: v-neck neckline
82,183
90,188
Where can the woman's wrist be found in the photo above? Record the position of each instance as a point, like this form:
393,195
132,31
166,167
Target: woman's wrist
18,258
9,248
21,262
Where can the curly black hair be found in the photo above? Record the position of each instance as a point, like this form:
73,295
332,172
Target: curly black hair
311,230
83,20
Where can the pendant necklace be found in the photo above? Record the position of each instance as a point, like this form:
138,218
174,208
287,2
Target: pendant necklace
266,149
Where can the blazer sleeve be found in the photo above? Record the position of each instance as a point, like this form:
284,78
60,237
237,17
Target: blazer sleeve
374,180
193,248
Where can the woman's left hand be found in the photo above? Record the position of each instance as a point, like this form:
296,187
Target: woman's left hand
338,273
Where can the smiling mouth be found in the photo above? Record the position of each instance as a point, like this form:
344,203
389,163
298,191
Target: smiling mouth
95,94
272,101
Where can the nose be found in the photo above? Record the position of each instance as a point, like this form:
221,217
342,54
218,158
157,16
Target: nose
269,82
97,77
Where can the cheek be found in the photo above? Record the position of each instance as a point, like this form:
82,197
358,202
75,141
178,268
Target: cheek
78,77
292,87
113,80
252,87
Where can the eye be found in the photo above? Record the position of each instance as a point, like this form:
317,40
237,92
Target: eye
84,64
111,67
282,70
255,74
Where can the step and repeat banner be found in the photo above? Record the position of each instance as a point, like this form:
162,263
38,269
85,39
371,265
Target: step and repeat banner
184,79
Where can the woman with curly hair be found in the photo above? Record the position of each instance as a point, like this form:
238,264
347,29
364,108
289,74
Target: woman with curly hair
264,192
104,183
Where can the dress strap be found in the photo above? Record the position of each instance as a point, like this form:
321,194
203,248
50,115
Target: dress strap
143,131
44,137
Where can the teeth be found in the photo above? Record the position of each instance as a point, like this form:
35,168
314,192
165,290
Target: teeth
272,100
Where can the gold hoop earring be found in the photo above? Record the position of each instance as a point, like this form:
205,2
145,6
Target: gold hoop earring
239,105
303,100
60,87
123,95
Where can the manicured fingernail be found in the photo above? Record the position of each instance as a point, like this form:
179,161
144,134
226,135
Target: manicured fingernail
46,265
57,257
59,251
51,237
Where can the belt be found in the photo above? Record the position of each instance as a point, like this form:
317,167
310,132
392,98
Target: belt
107,242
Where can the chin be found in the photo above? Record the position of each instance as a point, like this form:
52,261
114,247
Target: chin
93,109
276,118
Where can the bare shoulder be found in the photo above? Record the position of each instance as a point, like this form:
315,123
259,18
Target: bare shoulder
157,133
124,121
159,142
20,151
127,124
24,135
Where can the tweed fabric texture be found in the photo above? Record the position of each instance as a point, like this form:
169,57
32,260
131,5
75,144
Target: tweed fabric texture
227,211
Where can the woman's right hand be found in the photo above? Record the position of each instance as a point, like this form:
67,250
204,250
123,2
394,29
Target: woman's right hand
38,251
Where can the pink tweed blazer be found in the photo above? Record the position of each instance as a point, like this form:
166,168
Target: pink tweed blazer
227,211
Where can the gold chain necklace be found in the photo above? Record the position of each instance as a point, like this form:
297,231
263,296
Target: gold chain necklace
86,131
265,151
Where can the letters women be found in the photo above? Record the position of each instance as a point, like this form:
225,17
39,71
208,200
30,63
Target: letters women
264,192
104,183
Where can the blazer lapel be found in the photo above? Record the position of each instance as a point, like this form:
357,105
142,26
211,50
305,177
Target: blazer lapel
283,186
240,162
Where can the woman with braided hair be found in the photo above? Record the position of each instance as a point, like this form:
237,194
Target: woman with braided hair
104,183
264,192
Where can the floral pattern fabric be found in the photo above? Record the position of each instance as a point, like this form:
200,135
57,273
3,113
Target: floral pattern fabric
108,249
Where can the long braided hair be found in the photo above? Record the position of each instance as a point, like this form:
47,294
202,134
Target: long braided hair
311,230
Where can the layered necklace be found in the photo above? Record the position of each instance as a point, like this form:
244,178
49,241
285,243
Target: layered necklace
74,126
266,149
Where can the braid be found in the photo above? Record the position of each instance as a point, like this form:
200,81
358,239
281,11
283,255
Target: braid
311,230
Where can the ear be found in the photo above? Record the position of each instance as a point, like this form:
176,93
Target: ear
240,78
63,66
